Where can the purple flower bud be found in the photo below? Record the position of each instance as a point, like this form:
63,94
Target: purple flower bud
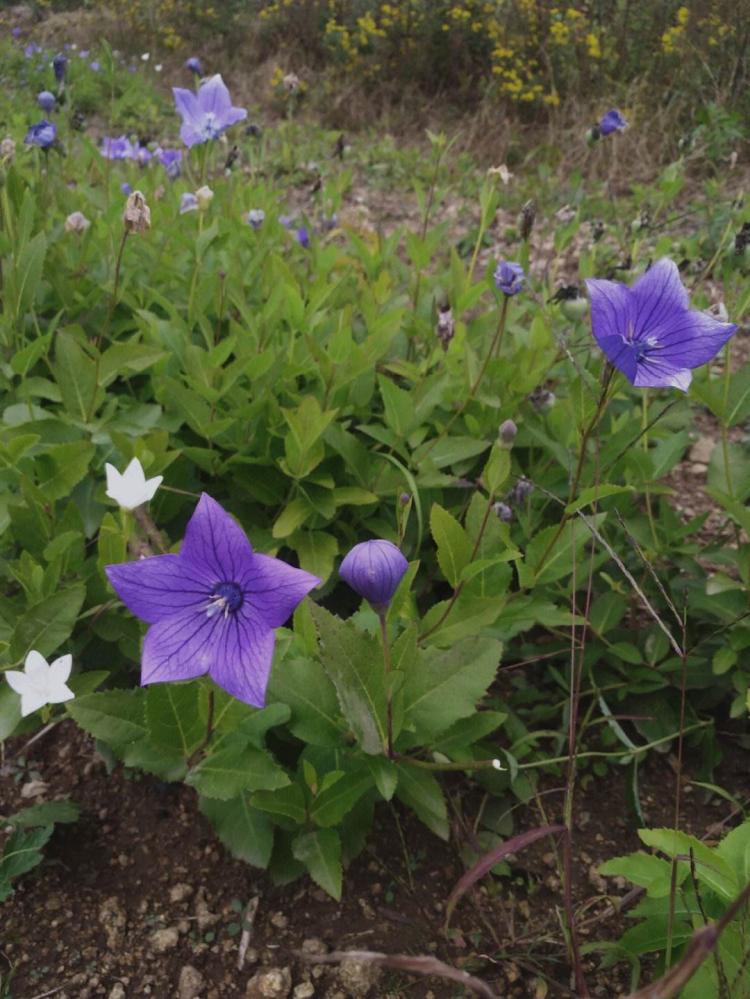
46,101
374,569
404,499
520,491
253,130
509,277
188,203
611,122
59,64
126,188
43,134
503,511
95,65
194,65
285,220
508,431
120,148
303,237
256,217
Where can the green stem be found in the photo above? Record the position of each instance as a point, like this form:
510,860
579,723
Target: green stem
644,431
389,696
209,731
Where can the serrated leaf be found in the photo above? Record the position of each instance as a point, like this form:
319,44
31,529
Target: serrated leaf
353,661
114,716
244,830
47,813
284,803
174,716
420,791
48,624
333,803
643,869
454,547
75,373
320,852
303,685
227,772
444,686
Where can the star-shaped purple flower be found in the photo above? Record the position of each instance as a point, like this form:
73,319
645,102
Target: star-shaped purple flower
43,134
212,608
120,148
649,332
208,113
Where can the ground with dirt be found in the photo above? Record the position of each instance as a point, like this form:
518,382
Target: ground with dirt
139,898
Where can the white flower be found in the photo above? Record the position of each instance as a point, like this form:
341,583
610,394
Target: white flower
204,195
132,488
145,57
502,172
41,683
77,222
158,67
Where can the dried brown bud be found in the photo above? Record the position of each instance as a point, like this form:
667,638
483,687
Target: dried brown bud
446,327
137,214
526,220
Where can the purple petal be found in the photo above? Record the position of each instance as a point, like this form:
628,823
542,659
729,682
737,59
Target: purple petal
232,116
186,103
242,656
215,543
653,373
610,308
657,297
273,588
181,647
621,354
190,135
690,340
213,96
155,588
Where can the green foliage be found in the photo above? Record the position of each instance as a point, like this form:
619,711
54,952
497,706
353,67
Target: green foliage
31,830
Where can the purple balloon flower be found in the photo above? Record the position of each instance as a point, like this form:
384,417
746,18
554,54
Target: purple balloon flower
212,608
612,121
303,237
142,155
374,569
46,101
95,65
120,148
32,49
194,65
59,64
509,277
43,134
649,332
188,203
208,113
171,160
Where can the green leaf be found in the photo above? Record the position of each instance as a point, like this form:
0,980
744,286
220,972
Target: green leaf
550,555
225,773
62,467
444,686
48,624
332,804
45,814
114,716
317,551
22,852
174,716
320,852
246,832
284,803
595,493
354,663
27,274
710,868
420,791
497,469
75,373
645,870
384,774
469,730
10,710
453,544
450,451
304,686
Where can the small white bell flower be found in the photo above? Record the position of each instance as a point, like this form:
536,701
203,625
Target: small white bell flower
41,683
131,488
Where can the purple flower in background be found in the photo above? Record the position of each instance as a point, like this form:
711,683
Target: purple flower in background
256,217
59,65
188,203
612,121
285,220
142,155
95,65
303,237
509,277
194,65
16,32
43,134
83,54
212,608
46,101
32,49
171,160
126,188
207,114
374,569
120,148
649,332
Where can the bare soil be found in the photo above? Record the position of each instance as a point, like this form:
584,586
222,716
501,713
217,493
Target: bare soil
139,889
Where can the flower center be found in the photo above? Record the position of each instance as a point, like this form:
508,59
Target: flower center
226,598
211,128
